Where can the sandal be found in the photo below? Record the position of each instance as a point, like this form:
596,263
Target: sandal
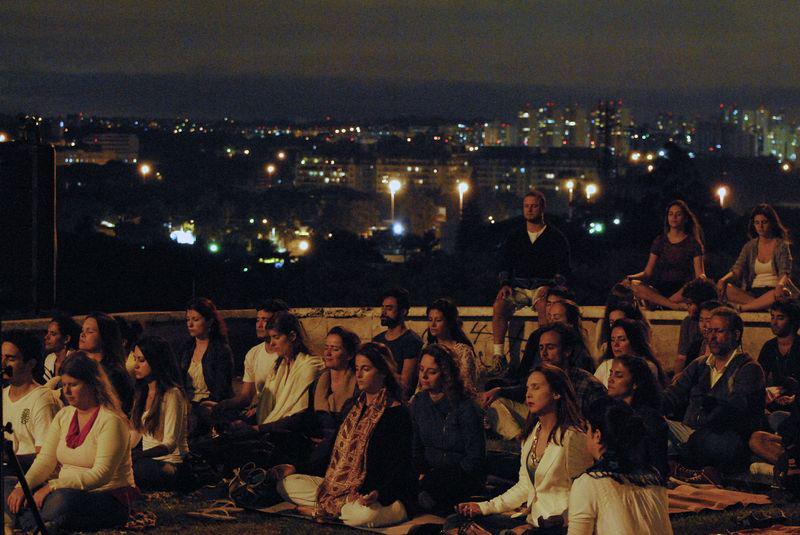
213,513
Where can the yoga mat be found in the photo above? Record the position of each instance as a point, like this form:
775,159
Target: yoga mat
290,510
689,499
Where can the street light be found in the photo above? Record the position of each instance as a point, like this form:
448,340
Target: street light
722,192
570,188
281,155
270,168
145,169
394,187
591,189
463,187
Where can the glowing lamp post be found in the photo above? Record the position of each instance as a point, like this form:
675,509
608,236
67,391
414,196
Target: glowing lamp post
591,190
394,187
722,192
145,169
463,187
570,189
270,169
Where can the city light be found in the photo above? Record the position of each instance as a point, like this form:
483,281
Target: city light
617,221
591,190
722,192
213,247
281,155
463,187
596,228
398,229
636,156
394,187
786,167
570,188
303,245
145,169
270,168
3,137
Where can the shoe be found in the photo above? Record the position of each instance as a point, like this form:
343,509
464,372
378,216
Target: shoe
706,476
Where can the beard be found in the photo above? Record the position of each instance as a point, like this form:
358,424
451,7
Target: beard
386,321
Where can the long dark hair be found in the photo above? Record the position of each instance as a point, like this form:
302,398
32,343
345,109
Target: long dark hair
287,323
777,228
80,366
691,225
381,357
567,412
623,434
350,343
450,312
640,346
453,385
67,326
630,310
165,372
646,390
110,339
217,329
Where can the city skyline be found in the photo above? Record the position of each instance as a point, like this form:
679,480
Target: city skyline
306,60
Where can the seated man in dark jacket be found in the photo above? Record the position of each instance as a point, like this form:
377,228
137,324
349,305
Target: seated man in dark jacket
721,398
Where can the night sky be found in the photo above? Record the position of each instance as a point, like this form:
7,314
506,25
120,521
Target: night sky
362,59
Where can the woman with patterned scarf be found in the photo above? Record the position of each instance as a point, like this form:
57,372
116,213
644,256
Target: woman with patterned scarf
621,492
370,479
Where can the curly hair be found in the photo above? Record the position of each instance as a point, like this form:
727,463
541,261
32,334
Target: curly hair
452,384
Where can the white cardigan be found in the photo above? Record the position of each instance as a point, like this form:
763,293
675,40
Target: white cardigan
604,507
548,495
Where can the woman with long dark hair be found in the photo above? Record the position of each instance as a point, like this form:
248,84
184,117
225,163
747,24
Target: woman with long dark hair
62,336
370,479
206,361
611,313
449,446
444,328
159,417
676,257
102,341
631,380
764,264
620,492
552,454
90,441
628,337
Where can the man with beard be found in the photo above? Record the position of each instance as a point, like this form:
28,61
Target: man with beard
530,257
404,343
780,358
721,398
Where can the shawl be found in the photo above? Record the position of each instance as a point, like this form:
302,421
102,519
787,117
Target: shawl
348,467
328,400
285,391
76,435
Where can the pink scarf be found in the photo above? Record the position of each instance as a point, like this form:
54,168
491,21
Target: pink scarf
76,435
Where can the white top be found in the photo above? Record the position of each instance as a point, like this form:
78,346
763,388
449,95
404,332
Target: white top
548,494
173,427
604,507
285,391
199,386
102,462
30,416
533,236
765,275
258,364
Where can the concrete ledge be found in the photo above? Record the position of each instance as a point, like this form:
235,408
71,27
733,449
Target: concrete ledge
365,322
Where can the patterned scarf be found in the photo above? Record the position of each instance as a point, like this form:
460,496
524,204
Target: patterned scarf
348,467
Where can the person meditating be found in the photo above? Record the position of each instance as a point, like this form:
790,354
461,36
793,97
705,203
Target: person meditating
370,480
553,453
90,441
764,265
676,257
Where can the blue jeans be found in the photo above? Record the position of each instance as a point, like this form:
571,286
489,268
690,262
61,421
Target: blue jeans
75,510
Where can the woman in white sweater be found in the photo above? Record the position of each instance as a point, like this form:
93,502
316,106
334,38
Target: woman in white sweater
90,440
553,453
159,416
621,492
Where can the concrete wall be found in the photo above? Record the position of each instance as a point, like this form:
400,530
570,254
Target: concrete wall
366,323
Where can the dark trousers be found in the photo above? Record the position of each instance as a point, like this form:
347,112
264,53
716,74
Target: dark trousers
151,474
71,509
497,524
450,485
